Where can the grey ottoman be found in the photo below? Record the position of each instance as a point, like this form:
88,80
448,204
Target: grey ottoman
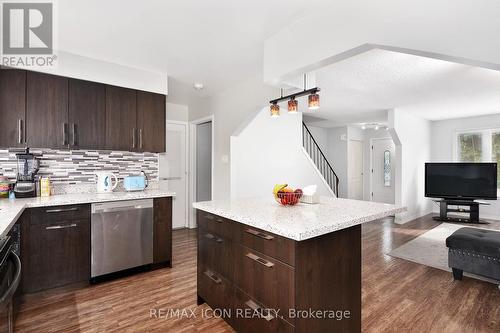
475,251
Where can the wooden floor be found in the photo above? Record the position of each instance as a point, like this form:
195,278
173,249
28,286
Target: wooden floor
398,295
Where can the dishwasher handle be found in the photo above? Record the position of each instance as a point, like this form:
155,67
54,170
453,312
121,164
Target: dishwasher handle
122,206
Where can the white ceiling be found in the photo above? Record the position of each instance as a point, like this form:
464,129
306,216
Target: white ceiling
363,86
216,42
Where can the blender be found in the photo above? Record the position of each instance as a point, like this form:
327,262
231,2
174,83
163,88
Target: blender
27,168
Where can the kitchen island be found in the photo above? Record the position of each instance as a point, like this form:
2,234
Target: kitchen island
284,269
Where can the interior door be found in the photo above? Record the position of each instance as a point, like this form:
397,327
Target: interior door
355,170
173,171
383,170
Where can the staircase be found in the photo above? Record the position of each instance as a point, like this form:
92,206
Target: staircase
319,159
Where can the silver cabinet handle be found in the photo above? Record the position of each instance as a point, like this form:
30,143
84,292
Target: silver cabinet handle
140,138
209,217
212,237
74,135
255,307
133,137
52,227
59,210
20,131
258,259
259,234
218,219
213,277
65,134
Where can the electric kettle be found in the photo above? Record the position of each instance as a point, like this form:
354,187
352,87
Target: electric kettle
104,183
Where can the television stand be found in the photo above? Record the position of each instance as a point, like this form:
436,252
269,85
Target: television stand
473,211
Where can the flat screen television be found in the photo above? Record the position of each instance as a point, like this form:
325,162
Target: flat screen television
466,181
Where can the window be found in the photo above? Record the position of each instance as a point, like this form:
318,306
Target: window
479,146
470,149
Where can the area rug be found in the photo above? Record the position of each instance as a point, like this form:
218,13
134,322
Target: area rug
430,249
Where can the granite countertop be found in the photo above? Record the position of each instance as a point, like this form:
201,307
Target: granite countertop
302,221
11,209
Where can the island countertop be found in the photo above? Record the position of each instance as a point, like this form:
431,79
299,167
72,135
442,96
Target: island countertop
302,221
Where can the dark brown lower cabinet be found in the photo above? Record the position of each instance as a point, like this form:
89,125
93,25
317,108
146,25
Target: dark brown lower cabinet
162,231
269,283
55,246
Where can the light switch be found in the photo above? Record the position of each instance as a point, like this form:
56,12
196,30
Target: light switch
343,137
225,159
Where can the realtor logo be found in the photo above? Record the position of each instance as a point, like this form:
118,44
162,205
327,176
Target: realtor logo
28,34
27,28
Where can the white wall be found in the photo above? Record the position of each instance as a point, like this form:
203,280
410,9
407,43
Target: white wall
337,156
177,112
320,134
269,151
85,68
462,29
231,108
412,137
442,134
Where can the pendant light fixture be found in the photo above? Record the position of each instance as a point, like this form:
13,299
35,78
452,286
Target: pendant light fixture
293,105
313,101
275,110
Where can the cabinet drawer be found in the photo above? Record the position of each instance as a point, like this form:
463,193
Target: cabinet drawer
215,253
48,215
214,288
248,318
214,223
270,244
264,278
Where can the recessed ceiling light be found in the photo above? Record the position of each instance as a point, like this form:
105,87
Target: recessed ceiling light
198,86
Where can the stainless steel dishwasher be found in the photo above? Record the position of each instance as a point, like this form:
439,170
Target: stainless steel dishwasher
121,236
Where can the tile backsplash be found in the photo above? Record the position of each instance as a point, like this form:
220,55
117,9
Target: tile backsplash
78,166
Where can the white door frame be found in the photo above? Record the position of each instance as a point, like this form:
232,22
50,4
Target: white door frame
192,164
371,166
185,123
362,167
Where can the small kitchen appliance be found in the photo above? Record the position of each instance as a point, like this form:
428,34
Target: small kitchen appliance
104,183
27,168
135,183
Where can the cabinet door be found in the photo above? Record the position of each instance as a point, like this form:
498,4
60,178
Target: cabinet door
87,116
55,248
162,231
47,111
121,112
12,107
151,121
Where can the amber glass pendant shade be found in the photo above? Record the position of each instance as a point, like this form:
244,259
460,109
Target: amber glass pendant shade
275,110
293,106
313,102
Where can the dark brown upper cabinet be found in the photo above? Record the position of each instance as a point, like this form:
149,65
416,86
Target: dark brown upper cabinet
121,119
47,111
87,114
12,107
150,122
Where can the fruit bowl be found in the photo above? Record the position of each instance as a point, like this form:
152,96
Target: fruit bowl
288,198
285,195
